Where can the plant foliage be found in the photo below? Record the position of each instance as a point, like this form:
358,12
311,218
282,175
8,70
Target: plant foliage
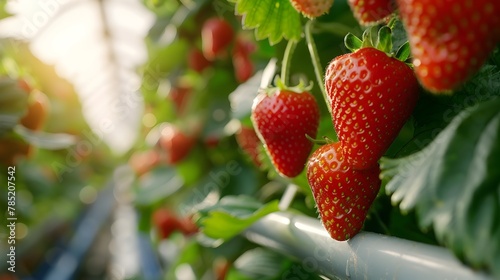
272,19
453,184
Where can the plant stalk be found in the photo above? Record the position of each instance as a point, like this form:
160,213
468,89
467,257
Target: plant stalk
287,58
318,69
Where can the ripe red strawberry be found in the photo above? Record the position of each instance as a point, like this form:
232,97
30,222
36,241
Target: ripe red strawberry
343,195
180,97
371,95
166,222
312,8
371,11
243,65
282,119
197,61
38,111
13,149
216,35
25,85
450,40
143,161
221,267
187,226
175,144
250,143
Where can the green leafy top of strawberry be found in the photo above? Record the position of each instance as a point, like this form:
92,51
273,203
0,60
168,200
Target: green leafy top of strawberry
380,39
282,117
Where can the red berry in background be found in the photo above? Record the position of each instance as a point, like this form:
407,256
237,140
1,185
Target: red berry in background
187,226
143,161
450,40
372,95
175,143
250,143
37,113
212,140
23,84
12,149
243,65
373,11
312,8
282,119
343,195
216,35
180,97
221,268
166,222
197,61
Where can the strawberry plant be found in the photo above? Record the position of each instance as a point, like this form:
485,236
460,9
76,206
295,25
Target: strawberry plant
249,127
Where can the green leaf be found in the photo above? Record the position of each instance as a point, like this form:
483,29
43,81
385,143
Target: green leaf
271,19
399,36
454,185
403,52
260,263
46,140
369,36
384,39
3,12
352,42
160,183
233,214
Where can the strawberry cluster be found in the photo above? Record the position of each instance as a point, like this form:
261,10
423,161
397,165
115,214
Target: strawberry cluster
371,95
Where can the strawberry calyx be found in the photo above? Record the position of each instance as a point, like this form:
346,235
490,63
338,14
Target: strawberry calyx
299,88
279,85
379,38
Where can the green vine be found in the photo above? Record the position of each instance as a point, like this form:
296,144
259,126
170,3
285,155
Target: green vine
318,69
287,58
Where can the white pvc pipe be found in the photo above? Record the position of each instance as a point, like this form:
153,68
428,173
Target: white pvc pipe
366,256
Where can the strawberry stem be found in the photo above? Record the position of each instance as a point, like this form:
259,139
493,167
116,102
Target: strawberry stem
287,58
333,28
318,69
317,141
